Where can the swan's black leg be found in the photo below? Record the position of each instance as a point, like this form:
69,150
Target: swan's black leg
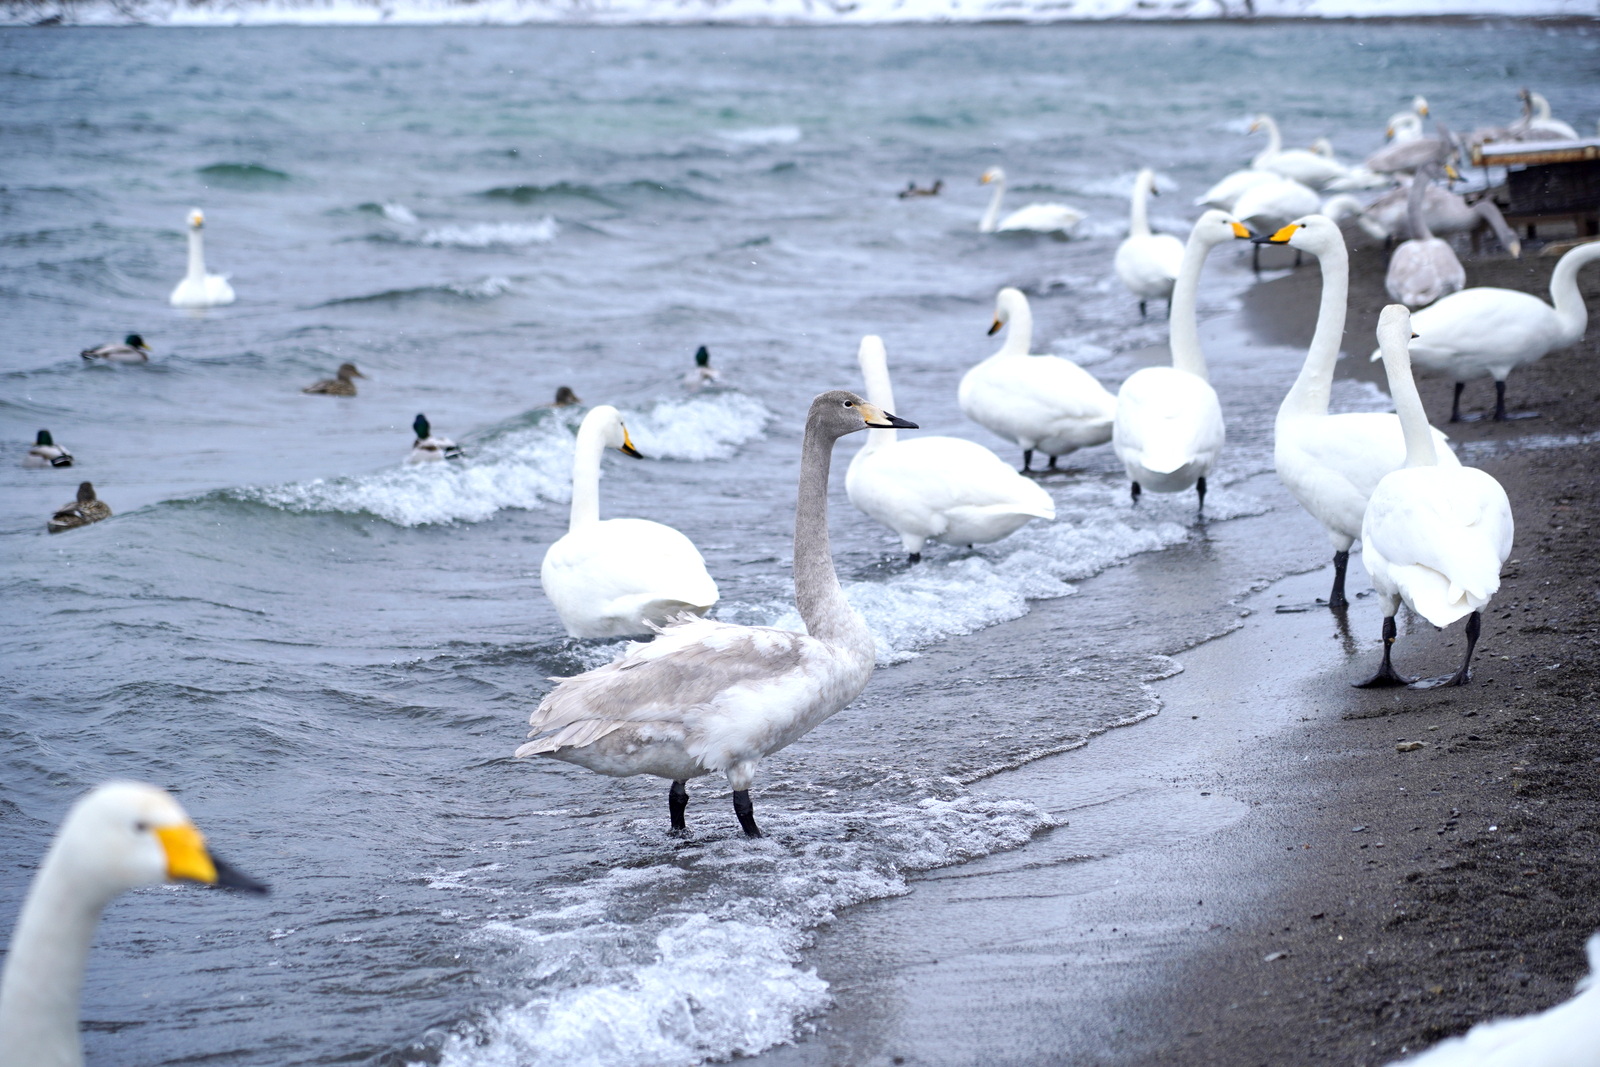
1255,258
1136,492
1052,464
1500,406
746,813
1336,599
915,557
1455,404
1169,309
1141,311
1200,487
1027,460
1386,675
677,803
1464,675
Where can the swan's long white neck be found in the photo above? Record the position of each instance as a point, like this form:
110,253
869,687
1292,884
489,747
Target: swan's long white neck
197,256
1184,333
43,983
1569,306
1019,331
1138,217
1420,450
875,371
586,455
1274,141
817,592
991,217
1313,388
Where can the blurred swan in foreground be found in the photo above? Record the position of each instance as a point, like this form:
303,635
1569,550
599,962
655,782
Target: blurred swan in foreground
935,488
199,289
341,384
1566,1035
1168,429
1038,218
1043,403
1332,463
131,350
83,511
430,449
1147,263
1434,537
618,577
1423,268
710,697
46,453
1489,331
121,836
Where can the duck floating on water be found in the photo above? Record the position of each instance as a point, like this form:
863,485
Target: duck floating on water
81,512
428,448
46,453
912,189
704,374
131,350
565,398
341,384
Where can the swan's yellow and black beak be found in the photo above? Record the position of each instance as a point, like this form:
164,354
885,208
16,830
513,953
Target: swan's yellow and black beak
626,448
996,327
879,419
1423,111
1241,232
1279,238
188,860
1451,173
1388,133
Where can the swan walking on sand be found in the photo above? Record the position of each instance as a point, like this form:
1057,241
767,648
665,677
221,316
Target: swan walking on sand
1489,331
1434,537
430,449
121,836
131,350
1037,218
1332,463
1424,268
46,453
1147,263
935,488
618,577
1168,429
709,697
1043,403
341,384
199,289
83,511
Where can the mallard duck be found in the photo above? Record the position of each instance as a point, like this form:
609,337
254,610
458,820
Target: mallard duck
428,448
81,512
913,189
565,398
46,453
339,385
704,374
131,350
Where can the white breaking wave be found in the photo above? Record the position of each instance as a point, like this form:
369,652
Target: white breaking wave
708,426
398,213
762,135
490,234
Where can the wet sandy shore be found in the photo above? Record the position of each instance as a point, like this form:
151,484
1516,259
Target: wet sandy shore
1258,874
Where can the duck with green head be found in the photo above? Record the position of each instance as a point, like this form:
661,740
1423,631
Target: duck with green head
131,350
46,453
428,448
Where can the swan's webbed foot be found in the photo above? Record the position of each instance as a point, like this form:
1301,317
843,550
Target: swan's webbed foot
1134,493
677,804
1386,675
914,557
746,813
1464,675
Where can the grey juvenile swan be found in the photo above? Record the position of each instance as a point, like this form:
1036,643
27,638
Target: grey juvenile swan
706,696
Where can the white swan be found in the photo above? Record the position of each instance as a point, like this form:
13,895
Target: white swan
131,350
1435,537
1407,125
199,289
1423,268
935,488
428,448
1147,263
1331,463
1227,192
46,453
1267,207
1168,429
707,697
1043,403
1485,330
1537,124
1307,168
1562,1036
1445,212
615,577
1038,218
120,836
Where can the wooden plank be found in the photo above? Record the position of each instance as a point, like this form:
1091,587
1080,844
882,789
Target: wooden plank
1535,153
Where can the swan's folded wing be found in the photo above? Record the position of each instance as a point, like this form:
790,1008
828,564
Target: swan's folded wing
690,665
1455,522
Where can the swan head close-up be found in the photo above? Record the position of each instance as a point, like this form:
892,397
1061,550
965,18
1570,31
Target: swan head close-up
197,218
1008,303
993,176
1312,233
839,412
606,421
1216,226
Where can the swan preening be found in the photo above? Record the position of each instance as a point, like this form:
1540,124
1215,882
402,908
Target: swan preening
1332,463
341,384
1147,263
131,350
1037,218
121,836
709,697
199,289
618,577
1423,268
1168,429
46,453
428,448
1043,403
1433,536
86,509
935,488
1490,331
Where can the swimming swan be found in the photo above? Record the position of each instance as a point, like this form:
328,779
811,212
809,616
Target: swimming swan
83,511
1485,330
341,384
1307,168
1435,537
199,289
131,350
935,488
1147,263
46,453
430,449
1043,403
709,697
1332,463
618,577
1168,429
1039,218
1423,268
121,836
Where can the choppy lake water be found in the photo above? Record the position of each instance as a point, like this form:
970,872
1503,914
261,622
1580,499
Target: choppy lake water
331,656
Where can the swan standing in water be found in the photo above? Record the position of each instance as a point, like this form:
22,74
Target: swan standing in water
121,836
618,577
1424,268
1485,330
46,453
710,697
1147,263
1332,463
131,350
1435,537
1037,218
1168,429
1043,403
199,289
935,488
430,449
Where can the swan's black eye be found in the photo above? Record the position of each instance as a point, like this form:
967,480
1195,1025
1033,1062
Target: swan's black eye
141,826
849,404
